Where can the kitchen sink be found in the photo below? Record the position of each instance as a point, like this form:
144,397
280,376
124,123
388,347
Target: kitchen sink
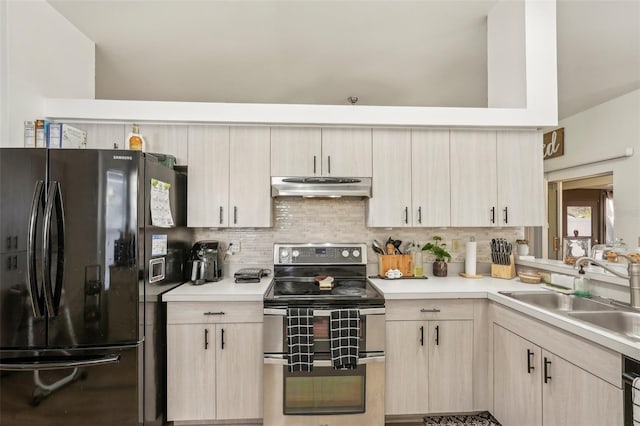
622,322
559,301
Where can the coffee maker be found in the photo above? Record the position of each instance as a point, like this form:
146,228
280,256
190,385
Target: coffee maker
205,262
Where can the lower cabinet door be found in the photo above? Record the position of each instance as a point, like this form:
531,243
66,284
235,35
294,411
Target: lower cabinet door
517,380
239,362
191,372
450,366
406,378
572,396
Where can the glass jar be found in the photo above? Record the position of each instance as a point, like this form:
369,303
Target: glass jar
418,270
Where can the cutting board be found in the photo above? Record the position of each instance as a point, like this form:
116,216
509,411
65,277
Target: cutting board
402,262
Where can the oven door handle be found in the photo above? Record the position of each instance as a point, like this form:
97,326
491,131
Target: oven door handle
323,312
282,360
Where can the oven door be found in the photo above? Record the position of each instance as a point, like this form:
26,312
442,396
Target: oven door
372,332
348,396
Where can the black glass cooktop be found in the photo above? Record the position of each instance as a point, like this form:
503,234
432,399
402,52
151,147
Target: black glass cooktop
304,290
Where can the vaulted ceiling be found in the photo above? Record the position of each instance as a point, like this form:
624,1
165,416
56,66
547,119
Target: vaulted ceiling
419,53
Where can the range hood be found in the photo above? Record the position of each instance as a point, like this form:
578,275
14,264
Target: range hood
320,187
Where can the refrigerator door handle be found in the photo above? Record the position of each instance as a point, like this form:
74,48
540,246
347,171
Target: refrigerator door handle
36,302
58,364
53,295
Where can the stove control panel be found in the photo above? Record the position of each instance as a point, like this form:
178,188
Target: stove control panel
314,254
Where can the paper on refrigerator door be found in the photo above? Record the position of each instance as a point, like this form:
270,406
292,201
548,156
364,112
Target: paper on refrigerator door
160,207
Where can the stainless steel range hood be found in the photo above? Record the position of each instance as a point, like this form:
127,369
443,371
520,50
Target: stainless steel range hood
320,187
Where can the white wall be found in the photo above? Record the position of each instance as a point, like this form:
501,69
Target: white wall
601,132
43,55
506,59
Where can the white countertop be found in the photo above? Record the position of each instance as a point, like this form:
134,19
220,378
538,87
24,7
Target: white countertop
451,287
221,291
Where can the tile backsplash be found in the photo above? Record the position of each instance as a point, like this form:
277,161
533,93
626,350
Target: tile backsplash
298,220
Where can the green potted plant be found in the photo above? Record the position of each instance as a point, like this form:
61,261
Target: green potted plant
437,248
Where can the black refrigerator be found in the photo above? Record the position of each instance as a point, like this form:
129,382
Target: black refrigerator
84,236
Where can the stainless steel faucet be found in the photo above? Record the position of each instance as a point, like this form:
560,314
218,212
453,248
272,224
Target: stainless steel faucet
633,275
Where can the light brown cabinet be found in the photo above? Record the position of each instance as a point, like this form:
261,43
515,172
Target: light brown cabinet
214,367
496,178
314,151
410,178
229,184
429,358
534,385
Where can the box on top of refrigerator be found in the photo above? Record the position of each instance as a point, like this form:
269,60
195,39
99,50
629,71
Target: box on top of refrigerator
63,135
29,134
42,133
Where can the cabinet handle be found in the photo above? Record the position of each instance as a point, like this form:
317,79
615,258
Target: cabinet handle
329,164
15,242
493,214
235,215
214,313
206,338
530,366
406,215
15,262
8,263
314,164
547,363
8,243
220,215
422,335
437,335
420,214
222,338
423,310
506,215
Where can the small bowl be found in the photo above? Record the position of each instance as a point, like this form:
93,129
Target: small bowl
530,277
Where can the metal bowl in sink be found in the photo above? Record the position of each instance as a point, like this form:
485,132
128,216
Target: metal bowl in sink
622,322
559,301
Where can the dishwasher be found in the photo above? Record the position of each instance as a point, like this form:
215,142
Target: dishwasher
631,370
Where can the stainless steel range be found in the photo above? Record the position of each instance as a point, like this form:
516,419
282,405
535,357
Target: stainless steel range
323,282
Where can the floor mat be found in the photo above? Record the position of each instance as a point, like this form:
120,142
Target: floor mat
479,419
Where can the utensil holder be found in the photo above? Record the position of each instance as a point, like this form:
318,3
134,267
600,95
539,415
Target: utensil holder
402,262
504,271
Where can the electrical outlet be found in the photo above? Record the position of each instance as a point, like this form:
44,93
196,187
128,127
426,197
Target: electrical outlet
234,247
455,245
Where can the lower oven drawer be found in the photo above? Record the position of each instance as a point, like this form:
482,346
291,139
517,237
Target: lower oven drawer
325,396
372,324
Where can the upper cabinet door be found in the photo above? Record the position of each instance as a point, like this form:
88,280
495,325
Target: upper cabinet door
473,178
208,183
430,177
390,204
296,151
250,183
165,139
346,152
520,178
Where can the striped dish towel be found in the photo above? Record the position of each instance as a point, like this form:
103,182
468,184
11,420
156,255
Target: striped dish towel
300,339
345,338
635,398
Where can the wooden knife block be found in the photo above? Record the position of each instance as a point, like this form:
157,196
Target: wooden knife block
504,271
402,262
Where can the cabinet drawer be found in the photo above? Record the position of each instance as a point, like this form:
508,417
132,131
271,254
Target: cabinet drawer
429,309
213,312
